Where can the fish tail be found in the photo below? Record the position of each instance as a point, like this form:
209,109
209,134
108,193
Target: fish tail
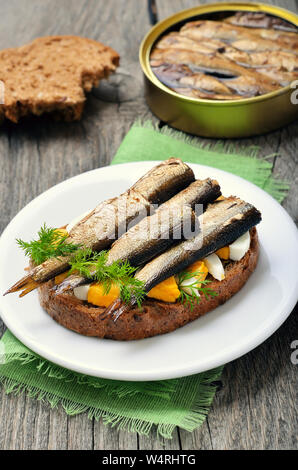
26,285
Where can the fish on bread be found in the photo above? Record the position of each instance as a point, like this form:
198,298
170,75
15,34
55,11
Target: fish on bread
98,229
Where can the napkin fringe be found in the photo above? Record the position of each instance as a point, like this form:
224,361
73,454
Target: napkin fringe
218,147
73,408
161,388
192,420
203,400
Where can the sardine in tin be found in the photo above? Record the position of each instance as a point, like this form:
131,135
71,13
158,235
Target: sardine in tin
208,118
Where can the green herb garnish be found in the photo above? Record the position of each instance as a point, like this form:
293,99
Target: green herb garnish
194,298
51,244
93,266
84,262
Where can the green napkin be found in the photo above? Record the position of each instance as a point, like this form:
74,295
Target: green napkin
166,404
146,142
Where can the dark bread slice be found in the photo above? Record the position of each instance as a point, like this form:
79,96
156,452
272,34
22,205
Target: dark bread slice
156,317
51,74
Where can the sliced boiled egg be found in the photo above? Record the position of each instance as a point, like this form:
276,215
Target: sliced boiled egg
192,281
215,267
240,247
95,294
195,282
166,290
75,221
81,292
223,253
98,296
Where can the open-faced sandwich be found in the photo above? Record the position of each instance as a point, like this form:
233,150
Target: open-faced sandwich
168,250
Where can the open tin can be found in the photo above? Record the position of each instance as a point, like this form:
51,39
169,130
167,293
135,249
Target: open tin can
210,118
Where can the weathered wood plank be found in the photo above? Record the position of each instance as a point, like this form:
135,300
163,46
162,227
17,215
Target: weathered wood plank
256,409
152,442
286,166
80,433
199,440
58,429
40,153
165,9
110,438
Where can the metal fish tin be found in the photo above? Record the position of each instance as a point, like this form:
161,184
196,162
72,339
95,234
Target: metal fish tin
221,118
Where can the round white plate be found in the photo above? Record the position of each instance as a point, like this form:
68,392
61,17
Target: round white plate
228,332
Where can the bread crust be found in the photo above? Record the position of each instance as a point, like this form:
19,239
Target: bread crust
52,74
156,317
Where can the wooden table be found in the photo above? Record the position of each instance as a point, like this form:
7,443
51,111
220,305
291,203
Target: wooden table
256,407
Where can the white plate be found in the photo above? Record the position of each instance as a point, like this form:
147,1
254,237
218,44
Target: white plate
228,332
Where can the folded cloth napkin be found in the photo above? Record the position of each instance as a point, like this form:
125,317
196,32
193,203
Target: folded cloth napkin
166,404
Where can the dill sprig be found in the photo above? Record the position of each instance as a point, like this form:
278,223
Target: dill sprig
51,244
85,262
193,298
93,266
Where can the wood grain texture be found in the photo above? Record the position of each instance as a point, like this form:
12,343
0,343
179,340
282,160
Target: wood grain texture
256,406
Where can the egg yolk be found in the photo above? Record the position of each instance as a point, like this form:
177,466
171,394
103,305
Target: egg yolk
223,253
199,267
98,296
166,290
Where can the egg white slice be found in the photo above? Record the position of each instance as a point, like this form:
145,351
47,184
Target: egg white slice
187,282
239,247
215,266
81,292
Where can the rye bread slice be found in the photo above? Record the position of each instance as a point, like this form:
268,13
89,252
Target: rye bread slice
52,74
156,317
